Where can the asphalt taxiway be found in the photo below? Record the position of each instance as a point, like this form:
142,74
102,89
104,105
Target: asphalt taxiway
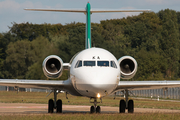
31,108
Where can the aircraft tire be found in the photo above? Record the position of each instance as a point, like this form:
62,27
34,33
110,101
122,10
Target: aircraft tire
50,106
92,109
98,109
130,106
59,106
122,106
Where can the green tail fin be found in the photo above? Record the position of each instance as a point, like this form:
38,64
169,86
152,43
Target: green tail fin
88,26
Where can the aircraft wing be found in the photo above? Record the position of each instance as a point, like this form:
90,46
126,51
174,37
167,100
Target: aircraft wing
44,84
140,85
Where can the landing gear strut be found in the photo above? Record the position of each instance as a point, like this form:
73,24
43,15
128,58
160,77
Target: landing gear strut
53,104
95,108
123,105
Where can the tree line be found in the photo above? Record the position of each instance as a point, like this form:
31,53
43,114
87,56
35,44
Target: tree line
151,38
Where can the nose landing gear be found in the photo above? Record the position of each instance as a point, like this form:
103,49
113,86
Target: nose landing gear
95,108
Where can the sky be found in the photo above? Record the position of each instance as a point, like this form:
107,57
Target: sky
13,10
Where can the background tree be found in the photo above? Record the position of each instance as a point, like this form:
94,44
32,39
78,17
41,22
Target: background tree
170,41
18,59
151,38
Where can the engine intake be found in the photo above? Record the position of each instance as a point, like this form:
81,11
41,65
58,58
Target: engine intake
52,66
128,66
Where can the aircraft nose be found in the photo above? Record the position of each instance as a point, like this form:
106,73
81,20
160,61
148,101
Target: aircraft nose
102,77
102,82
94,82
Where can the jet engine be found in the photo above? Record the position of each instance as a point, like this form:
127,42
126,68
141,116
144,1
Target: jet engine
128,66
52,66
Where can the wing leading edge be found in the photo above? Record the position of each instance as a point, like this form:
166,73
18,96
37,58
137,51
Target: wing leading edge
140,85
45,84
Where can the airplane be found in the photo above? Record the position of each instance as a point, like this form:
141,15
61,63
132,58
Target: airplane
93,72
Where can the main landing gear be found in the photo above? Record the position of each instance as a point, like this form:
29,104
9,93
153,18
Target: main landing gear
95,108
123,105
53,104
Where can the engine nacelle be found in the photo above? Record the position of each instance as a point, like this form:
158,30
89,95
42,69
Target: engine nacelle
128,66
52,67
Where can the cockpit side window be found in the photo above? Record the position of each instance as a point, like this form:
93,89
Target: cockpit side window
90,63
103,63
78,64
113,64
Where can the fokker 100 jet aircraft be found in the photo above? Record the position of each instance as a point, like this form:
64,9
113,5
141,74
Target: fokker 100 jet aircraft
94,72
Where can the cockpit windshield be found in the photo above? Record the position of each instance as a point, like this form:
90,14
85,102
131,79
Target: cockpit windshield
103,63
113,64
89,63
81,63
78,64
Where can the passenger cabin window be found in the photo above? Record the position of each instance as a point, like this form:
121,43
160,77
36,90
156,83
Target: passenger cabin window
78,64
113,64
89,63
103,63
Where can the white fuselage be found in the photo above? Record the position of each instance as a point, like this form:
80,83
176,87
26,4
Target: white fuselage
95,72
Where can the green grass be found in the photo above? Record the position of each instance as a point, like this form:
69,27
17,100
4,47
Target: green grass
151,116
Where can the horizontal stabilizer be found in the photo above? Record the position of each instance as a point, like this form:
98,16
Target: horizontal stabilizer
92,11
58,10
120,10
